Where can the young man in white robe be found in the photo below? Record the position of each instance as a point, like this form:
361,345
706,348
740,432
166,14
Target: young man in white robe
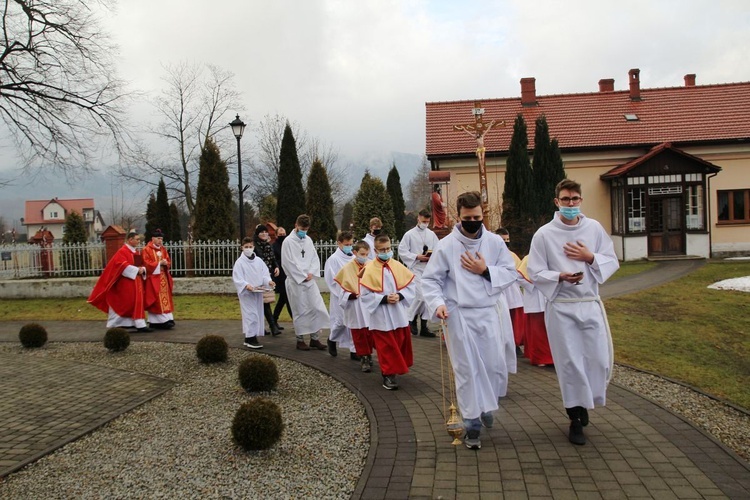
251,277
386,289
462,284
569,258
340,335
376,227
415,250
355,317
302,266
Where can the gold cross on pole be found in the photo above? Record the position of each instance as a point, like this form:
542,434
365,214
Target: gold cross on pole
478,130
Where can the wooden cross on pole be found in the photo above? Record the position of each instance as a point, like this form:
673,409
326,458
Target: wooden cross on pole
478,130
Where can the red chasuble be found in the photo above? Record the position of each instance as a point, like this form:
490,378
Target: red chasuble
123,295
158,286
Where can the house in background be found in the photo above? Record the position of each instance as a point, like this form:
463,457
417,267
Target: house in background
51,214
665,170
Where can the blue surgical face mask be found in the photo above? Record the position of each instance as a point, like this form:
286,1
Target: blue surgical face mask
385,256
570,213
347,249
301,234
361,260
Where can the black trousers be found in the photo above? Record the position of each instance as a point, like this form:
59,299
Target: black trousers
283,301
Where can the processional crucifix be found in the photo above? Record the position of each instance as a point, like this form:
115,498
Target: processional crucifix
478,130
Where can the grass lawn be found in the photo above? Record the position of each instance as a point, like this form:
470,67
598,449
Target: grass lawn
687,332
631,268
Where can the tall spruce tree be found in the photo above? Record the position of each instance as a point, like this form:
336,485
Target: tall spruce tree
518,200
150,216
393,185
372,200
174,233
290,196
547,171
346,215
319,204
163,218
75,258
267,209
214,219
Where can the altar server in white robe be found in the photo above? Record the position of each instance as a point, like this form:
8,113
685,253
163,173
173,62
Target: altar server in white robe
302,266
415,250
376,227
569,258
340,335
462,284
386,288
250,276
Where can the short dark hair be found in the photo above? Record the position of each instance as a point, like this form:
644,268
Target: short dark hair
469,199
360,245
425,213
382,238
501,231
568,184
344,235
248,239
303,220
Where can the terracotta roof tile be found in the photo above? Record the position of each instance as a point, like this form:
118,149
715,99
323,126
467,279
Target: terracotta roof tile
590,120
35,208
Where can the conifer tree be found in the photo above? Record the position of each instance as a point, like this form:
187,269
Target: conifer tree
290,196
518,201
320,204
75,258
547,171
214,219
372,200
175,228
267,210
75,229
393,185
346,215
162,216
150,217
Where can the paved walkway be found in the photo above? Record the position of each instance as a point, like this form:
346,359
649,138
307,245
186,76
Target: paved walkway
635,449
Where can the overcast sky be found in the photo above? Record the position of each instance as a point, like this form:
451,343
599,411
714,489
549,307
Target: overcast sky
357,73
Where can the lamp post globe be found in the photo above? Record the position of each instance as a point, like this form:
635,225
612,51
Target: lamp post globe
238,128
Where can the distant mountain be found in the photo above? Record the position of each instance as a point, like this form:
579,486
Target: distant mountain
379,164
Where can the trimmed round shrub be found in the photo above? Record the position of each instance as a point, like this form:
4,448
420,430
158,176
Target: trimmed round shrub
32,335
258,374
116,339
257,425
212,349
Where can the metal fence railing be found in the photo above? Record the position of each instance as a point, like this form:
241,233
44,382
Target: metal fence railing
201,258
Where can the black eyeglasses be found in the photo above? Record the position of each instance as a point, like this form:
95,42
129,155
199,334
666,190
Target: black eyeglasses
568,199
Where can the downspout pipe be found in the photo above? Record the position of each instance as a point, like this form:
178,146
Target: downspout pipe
708,217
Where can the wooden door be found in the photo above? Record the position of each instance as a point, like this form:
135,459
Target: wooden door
666,226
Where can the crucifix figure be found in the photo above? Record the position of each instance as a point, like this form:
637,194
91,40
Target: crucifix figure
478,130
303,253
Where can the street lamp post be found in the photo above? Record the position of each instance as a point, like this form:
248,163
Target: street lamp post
238,127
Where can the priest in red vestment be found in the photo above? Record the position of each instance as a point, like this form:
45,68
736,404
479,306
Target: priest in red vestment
159,304
119,292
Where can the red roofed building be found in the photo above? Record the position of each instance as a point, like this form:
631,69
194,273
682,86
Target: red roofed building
665,170
51,214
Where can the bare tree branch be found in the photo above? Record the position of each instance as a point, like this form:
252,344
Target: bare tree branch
59,95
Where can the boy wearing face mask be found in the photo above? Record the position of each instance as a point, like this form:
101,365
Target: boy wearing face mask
376,227
569,258
355,319
387,289
462,284
250,276
415,250
340,335
302,266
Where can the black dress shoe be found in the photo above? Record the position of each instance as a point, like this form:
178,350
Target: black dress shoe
279,327
145,329
353,356
332,348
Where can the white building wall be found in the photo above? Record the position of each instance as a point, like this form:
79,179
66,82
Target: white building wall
698,244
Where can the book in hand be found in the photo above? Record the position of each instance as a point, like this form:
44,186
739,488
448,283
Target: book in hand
262,289
138,260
